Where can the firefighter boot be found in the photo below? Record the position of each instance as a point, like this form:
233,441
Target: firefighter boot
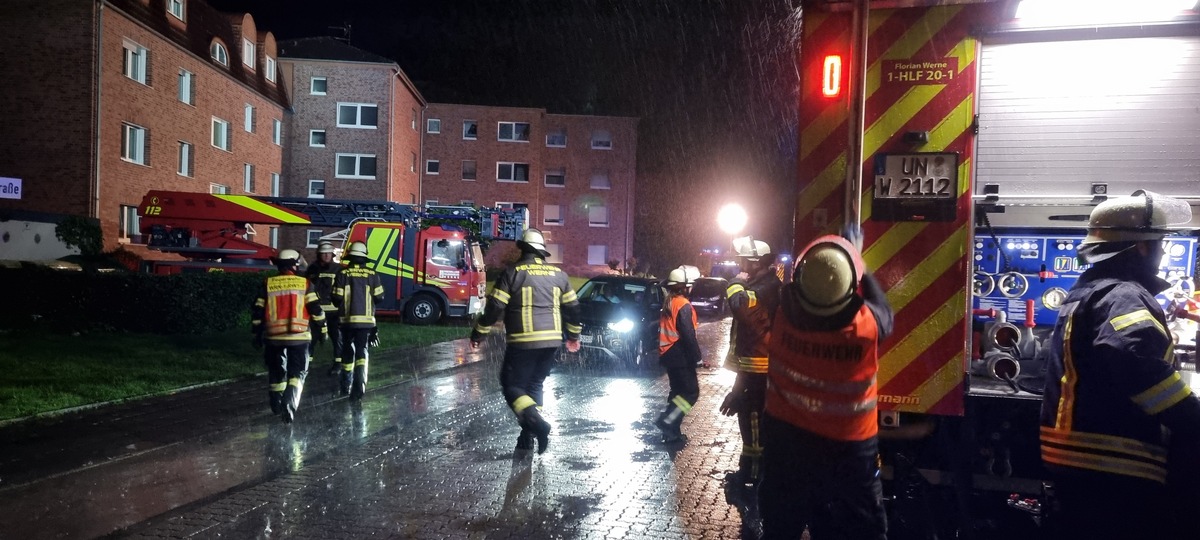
359,386
276,401
748,467
532,421
336,368
524,444
291,399
346,378
669,422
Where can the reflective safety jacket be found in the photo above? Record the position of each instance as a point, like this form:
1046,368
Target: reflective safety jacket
356,290
822,372
753,306
1110,384
285,308
677,344
322,275
537,303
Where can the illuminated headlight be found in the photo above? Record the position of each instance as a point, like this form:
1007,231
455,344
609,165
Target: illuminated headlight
622,326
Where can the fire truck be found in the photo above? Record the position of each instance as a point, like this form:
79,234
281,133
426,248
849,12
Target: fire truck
430,258
970,140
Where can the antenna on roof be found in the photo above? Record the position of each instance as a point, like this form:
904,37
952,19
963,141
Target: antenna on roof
345,30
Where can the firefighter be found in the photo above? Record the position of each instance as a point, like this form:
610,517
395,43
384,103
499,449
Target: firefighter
283,317
321,274
1119,426
820,457
356,290
537,303
679,352
752,301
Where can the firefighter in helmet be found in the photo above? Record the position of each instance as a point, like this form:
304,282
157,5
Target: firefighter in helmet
752,300
283,318
679,352
321,274
820,426
1120,428
356,291
537,304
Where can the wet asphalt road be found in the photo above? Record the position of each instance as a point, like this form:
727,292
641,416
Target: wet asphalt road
428,458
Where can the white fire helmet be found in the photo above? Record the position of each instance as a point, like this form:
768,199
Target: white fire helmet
1142,216
750,249
287,258
534,239
357,249
684,275
828,272
325,247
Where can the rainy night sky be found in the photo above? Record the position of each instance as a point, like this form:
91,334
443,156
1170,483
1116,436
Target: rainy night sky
714,83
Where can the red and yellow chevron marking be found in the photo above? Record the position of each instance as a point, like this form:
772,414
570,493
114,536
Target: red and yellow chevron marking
924,266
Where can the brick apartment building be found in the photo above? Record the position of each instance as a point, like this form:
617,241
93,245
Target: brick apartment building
575,174
355,133
117,97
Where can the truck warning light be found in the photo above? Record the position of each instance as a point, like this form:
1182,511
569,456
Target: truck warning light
831,76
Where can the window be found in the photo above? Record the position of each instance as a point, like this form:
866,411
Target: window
433,125
248,178
319,86
187,87
130,226
276,131
513,131
249,118
511,205
185,159
601,140
468,169
600,180
552,215
136,63
316,189
175,8
598,216
248,53
217,52
597,255
557,138
361,166
271,68
555,253
274,237
431,202
316,137
556,177
412,166
512,172
357,115
414,119
466,202
432,166
220,134
218,189
470,130
314,238
274,184
133,143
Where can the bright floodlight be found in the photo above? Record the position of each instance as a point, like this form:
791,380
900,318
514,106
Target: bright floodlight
1044,13
731,218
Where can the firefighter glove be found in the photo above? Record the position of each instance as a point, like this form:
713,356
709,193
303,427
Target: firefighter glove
734,402
374,339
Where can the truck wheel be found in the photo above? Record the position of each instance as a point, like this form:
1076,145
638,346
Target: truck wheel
423,309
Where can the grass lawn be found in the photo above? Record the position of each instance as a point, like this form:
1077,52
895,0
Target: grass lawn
47,371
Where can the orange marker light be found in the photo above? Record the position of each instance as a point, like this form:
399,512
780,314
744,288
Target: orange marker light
831,76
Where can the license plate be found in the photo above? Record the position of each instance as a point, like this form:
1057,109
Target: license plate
916,176
584,338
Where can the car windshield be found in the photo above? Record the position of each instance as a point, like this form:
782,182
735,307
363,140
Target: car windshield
708,287
612,292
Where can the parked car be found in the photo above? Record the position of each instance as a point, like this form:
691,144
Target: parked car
708,296
620,318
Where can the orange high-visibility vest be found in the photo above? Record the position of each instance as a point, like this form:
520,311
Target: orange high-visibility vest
824,382
668,333
286,309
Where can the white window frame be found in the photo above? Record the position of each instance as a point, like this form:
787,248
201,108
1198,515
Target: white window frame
432,167
312,86
248,55
474,173
219,53
275,181
312,133
313,186
187,87
312,238
433,125
358,160
552,215
277,131
218,189
601,140
513,129
248,177
226,134
136,62
431,202
249,122
133,143
187,159
555,253
600,174
469,123
555,133
555,172
513,166
176,9
592,221
130,225
602,250
273,237
358,110
271,68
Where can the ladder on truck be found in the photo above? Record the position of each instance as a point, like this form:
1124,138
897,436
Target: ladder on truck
492,223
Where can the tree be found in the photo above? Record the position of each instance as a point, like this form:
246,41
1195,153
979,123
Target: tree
82,233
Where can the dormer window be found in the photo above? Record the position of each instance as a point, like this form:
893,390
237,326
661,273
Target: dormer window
219,53
175,8
271,68
248,53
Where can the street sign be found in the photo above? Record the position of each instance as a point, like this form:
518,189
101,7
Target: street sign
10,188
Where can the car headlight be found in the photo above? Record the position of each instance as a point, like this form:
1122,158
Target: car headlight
622,326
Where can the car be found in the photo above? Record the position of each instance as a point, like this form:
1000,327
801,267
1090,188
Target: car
708,296
620,319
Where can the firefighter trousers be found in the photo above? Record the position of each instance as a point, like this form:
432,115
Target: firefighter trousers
355,358
287,366
335,339
523,374
750,426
